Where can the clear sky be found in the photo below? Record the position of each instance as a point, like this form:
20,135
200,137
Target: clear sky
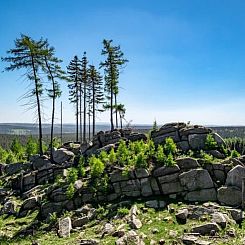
186,58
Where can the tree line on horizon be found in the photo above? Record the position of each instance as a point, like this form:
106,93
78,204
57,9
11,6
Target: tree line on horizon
89,91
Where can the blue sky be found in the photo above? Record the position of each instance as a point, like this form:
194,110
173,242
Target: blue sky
186,58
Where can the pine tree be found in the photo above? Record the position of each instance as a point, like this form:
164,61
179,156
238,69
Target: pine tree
74,83
54,73
112,65
84,76
96,87
28,55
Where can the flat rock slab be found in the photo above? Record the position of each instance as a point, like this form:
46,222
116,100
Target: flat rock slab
205,229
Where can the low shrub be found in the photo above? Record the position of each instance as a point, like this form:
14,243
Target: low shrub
72,175
70,191
97,167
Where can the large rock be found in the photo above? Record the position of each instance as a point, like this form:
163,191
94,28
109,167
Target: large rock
40,163
202,195
186,163
162,138
205,229
80,221
30,203
51,207
59,195
165,170
14,168
62,155
235,176
229,195
64,227
197,141
196,179
194,130
171,188
146,189
236,214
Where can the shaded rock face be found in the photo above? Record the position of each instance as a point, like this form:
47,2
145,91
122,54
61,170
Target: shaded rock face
229,195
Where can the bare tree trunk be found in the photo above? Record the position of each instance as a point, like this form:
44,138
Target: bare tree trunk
53,110
120,120
84,112
115,97
61,124
81,129
93,109
77,102
38,108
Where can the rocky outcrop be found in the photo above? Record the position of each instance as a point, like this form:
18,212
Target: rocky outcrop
187,137
109,139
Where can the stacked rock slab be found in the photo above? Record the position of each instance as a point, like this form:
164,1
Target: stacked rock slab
187,137
108,139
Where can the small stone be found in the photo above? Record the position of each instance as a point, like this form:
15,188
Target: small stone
135,223
181,216
154,231
212,233
173,234
220,219
88,242
161,242
231,233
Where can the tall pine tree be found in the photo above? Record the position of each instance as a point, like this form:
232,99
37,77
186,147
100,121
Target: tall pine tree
113,63
85,85
28,55
54,73
97,95
74,81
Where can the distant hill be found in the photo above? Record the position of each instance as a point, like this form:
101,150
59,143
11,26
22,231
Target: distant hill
32,129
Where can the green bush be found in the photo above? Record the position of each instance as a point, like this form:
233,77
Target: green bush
170,160
103,156
72,175
3,155
170,147
112,156
122,212
70,191
97,167
31,147
141,160
80,167
208,158
123,153
235,153
210,143
150,148
11,158
160,156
